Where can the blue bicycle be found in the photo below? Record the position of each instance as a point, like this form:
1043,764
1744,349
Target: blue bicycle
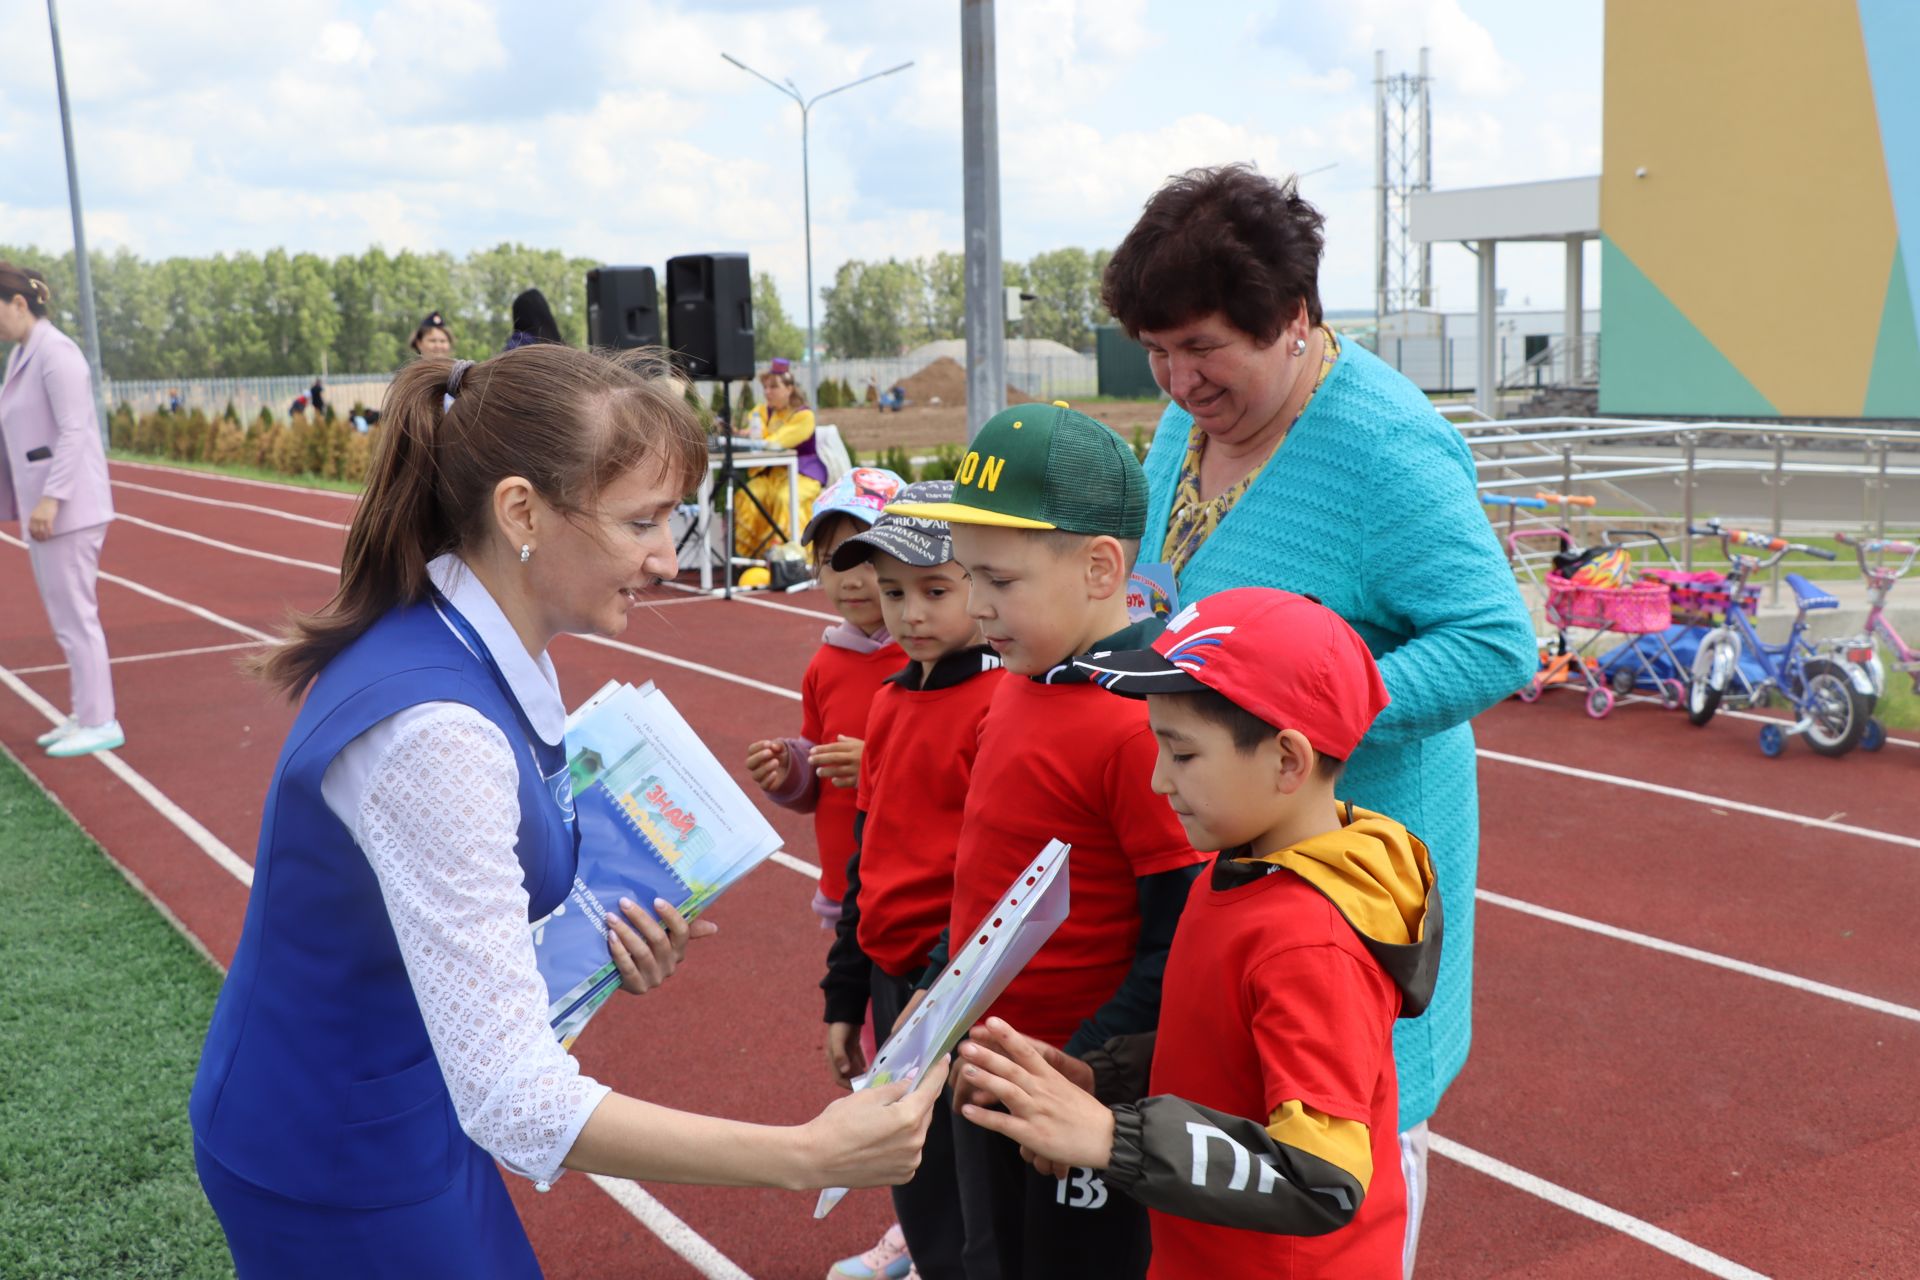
1831,695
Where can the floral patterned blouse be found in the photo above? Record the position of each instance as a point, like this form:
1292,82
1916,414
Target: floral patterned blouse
1193,521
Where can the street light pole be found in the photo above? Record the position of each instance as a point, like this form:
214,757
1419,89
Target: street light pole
83,274
806,188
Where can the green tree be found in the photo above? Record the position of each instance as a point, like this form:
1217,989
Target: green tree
872,308
774,333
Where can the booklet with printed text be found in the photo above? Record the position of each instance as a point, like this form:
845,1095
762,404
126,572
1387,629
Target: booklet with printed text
659,817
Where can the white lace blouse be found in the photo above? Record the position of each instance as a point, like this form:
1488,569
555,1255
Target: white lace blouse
431,795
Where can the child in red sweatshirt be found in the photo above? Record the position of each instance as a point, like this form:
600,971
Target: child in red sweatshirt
816,772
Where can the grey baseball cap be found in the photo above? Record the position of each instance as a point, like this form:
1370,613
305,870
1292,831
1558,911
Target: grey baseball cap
912,540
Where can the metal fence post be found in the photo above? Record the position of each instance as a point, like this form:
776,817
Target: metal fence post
1779,497
1689,443
1880,496
1566,491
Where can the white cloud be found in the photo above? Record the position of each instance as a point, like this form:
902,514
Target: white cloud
613,129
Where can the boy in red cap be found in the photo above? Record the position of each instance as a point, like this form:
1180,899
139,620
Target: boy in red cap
1259,1126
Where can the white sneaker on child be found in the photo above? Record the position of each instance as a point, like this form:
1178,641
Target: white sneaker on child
887,1260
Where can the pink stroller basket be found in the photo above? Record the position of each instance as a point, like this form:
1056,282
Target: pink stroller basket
1637,610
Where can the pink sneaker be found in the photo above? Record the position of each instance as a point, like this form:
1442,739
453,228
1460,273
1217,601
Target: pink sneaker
887,1260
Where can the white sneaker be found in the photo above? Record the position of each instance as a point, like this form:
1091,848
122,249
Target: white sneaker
87,739
58,732
887,1260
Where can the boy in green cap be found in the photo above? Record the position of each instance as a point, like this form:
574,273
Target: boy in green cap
1047,512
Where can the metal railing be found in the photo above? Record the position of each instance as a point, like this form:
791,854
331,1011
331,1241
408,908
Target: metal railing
1586,456
1564,362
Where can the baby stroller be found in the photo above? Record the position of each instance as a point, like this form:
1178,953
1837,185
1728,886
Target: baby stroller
1592,590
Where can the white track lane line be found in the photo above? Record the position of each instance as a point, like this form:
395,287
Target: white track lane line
1559,1196
234,506
1592,1210
753,597
699,1253
334,572
749,598
1699,797
146,657
189,826
118,581
1652,943
226,479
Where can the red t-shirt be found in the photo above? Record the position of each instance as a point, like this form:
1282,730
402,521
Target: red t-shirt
913,788
1270,997
834,697
1067,762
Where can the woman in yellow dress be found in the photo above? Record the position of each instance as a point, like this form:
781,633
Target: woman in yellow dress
784,422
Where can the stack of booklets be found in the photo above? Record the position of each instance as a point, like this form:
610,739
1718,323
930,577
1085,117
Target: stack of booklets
982,962
659,817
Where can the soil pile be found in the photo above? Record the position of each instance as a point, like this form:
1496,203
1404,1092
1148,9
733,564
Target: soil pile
946,380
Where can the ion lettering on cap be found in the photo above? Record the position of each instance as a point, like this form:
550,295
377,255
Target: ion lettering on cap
987,471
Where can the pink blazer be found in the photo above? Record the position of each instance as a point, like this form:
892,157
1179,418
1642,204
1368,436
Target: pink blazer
52,434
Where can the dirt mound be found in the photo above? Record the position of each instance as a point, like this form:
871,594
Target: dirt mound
946,381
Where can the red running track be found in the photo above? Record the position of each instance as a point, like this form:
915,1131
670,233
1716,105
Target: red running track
1647,1113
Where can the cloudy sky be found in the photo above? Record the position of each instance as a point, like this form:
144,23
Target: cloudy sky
616,131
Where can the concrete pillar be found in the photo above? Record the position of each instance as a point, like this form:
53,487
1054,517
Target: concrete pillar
1486,390
1576,311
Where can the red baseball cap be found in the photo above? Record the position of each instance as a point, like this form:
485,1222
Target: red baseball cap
1287,659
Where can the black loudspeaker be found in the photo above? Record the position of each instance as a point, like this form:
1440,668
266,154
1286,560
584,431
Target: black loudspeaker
710,315
623,307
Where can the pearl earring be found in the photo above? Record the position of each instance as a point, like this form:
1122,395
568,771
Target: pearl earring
1299,346
526,553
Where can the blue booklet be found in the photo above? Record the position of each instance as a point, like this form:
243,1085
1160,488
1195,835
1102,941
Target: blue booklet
659,817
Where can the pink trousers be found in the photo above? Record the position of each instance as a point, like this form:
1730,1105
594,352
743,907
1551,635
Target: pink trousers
66,568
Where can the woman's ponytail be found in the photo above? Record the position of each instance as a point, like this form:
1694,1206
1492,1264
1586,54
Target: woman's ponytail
569,422
398,527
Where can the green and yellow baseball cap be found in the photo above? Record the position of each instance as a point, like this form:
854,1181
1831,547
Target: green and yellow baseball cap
1045,466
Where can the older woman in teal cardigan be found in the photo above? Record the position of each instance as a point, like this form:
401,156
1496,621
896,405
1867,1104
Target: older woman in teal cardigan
1290,458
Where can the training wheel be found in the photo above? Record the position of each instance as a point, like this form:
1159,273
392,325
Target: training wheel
1772,740
1599,702
1673,694
1874,737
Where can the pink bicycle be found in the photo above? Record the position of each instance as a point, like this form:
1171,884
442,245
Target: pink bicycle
1880,580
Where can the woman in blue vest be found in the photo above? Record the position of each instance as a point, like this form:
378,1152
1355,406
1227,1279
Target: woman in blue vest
382,1039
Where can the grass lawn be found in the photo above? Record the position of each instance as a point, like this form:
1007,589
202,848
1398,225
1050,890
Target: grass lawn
102,1010
232,469
1899,707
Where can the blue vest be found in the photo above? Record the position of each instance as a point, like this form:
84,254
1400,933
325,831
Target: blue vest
318,1081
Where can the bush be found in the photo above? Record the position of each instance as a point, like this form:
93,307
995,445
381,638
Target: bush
829,395
1140,445
945,463
897,460
746,400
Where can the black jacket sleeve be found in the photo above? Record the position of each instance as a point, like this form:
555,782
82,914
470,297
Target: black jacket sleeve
936,961
1135,1005
1185,1159
1122,1067
849,981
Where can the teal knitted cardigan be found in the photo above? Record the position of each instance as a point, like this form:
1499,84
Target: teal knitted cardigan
1370,504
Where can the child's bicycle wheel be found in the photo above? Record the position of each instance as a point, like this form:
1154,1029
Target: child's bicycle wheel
1839,713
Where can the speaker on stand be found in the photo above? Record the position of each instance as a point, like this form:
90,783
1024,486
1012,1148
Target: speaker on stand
710,331
623,308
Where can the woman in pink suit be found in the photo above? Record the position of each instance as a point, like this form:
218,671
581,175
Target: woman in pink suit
53,480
